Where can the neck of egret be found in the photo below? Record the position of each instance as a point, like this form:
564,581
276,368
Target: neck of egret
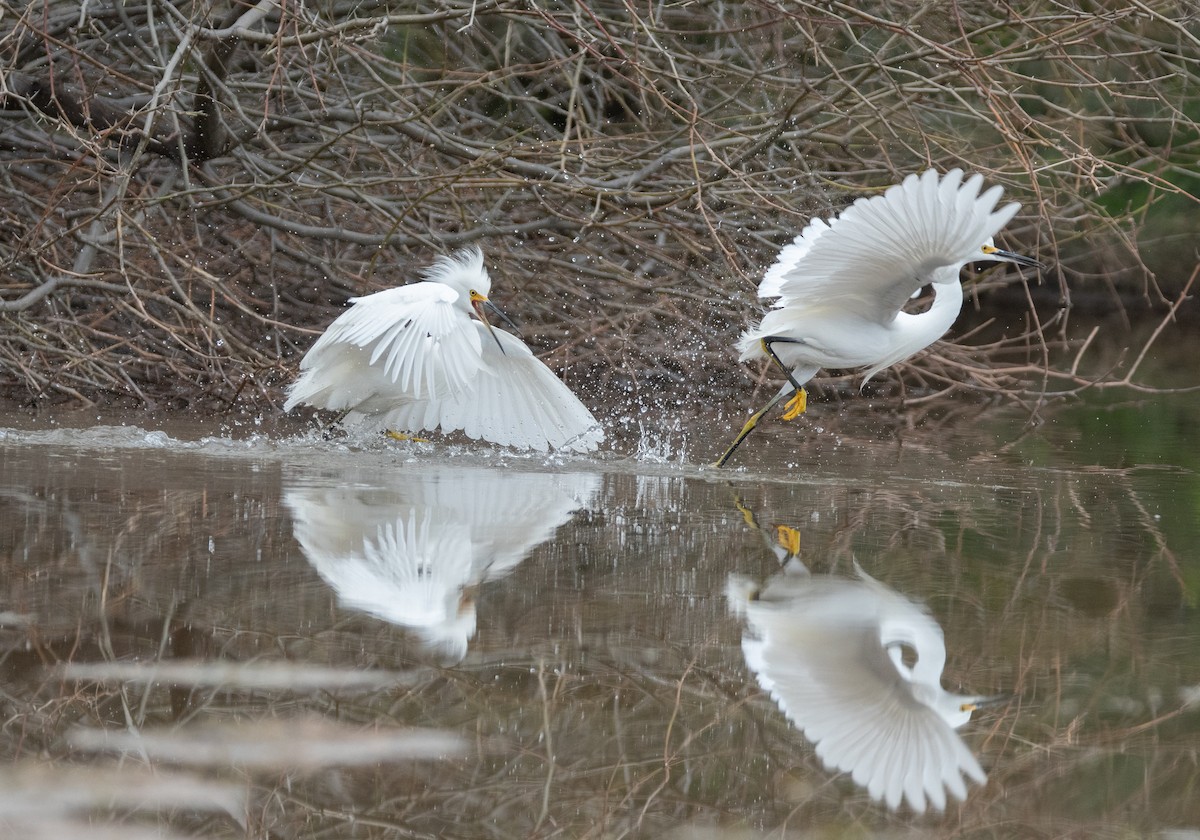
916,332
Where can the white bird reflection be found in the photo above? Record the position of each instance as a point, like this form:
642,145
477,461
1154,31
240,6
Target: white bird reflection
831,652
411,548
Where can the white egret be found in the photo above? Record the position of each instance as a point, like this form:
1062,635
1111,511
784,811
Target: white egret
830,652
841,284
413,358
411,548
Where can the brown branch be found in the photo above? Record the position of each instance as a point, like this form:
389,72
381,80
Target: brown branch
92,113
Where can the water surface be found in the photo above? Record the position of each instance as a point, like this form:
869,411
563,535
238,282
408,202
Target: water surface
278,635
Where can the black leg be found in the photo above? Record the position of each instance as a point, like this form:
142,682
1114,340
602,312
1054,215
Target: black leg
770,351
748,428
793,410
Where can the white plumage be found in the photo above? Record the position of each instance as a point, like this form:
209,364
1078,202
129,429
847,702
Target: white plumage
414,358
840,285
409,548
829,652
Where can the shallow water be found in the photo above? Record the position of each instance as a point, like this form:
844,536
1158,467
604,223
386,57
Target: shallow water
276,635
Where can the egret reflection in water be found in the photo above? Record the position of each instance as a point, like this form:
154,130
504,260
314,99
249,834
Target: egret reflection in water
410,548
831,652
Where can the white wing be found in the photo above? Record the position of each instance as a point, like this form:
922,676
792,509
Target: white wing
820,657
882,249
403,564
871,726
514,401
789,257
407,548
408,342
507,514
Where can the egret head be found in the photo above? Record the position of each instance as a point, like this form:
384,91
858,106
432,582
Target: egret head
463,272
481,305
446,642
989,251
955,709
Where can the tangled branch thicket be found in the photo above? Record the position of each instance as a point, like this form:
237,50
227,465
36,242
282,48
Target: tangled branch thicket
192,189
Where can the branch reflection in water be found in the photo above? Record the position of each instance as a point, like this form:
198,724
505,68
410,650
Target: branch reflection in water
836,655
410,546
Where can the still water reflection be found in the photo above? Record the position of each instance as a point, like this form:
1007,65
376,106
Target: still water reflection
300,638
411,546
831,652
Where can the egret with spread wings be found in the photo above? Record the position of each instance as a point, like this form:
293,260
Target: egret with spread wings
414,358
841,285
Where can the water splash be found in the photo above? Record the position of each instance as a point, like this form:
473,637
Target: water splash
662,442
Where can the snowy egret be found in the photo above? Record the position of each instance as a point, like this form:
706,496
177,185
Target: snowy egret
413,358
831,653
841,284
411,549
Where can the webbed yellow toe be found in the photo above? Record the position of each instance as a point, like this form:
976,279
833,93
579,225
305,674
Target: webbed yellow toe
788,539
405,436
796,405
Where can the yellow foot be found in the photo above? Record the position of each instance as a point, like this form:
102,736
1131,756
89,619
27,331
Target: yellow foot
796,405
405,436
788,539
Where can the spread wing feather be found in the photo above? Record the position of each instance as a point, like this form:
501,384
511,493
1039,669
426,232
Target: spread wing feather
880,250
411,339
515,401
822,660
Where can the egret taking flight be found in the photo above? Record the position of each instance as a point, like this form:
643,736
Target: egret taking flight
413,358
840,286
